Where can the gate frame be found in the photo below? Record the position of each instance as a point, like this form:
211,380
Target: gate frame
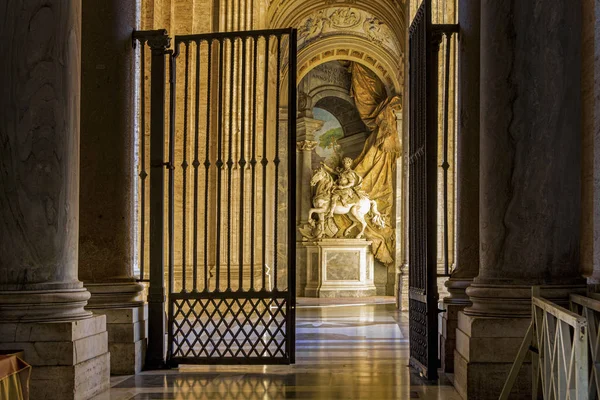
158,354
428,294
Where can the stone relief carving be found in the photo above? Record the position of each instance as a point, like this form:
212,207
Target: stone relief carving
341,196
348,20
332,75
344,18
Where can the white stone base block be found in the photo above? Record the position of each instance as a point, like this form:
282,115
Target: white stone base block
485,351
127,338
70,360
339,268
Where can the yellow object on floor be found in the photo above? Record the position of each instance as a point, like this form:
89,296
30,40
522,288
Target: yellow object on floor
14,378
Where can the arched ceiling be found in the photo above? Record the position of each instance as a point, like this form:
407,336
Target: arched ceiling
369,32
290,13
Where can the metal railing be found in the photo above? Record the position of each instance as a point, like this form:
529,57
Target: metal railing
590,309
558,341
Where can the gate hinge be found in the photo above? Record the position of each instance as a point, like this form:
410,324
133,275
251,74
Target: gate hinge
167,165
441,310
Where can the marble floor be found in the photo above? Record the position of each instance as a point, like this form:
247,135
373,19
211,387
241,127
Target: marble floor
343,352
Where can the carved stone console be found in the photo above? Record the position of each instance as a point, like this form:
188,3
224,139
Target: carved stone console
339,268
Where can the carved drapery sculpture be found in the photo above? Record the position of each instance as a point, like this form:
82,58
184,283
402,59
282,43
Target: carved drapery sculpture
377,162
376,165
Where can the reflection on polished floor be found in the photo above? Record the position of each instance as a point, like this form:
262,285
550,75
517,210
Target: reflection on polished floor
343,352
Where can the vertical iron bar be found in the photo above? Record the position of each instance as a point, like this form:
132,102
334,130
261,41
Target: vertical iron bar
445,164
171,203
253,163
143,173
230,156
431,149
184,167
264,162
291,206
276,162
196,164
219,164
242,165
156,292
207,159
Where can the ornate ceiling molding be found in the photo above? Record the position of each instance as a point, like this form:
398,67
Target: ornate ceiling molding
347,21
286,13
341,47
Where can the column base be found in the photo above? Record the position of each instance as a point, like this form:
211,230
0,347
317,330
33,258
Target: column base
457,291
70,359
44,305
126,323
486,348
514,301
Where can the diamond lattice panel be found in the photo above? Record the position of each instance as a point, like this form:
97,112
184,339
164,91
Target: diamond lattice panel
229,328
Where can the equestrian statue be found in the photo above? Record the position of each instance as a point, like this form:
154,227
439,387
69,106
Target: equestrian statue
341,196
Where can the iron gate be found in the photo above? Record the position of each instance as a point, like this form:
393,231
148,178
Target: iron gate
422,161
230,199
424,74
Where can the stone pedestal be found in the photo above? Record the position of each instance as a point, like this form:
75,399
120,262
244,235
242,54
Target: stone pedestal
485,351
127,332
339,268
108,180
70,359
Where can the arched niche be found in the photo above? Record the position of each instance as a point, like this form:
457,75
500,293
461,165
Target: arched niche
357,49
338,48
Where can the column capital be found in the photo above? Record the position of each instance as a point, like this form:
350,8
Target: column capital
306,145
306,128
158,40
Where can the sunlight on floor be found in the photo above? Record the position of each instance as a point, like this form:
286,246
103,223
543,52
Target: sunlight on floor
342,352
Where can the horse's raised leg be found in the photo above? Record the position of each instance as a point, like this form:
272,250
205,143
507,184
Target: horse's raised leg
361,219
354,222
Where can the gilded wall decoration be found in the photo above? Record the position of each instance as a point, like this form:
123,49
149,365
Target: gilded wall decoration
347,21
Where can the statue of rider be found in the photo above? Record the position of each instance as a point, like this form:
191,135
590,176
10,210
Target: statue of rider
347,188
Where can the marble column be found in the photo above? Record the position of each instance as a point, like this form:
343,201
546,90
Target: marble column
590,208
108,178
467,177
41,298
530,184
305,135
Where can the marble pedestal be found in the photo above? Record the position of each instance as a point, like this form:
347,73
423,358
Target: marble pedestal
486,348
70,359
339,268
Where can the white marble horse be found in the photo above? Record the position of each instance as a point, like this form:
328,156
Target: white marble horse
357,211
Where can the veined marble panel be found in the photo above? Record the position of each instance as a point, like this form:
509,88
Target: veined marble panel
343,265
